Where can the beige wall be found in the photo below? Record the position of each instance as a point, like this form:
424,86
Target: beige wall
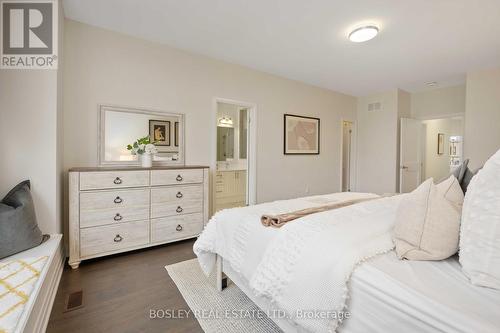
482,116
106,67
377,143
404,111
28,112
30,116
438,103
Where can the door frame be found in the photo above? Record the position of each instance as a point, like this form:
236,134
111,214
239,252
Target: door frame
354,157
423,156
251,149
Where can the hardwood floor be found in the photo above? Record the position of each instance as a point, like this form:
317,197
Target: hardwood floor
119,291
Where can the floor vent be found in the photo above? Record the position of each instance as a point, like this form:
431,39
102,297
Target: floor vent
74,301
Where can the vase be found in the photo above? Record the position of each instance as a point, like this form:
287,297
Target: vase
146,160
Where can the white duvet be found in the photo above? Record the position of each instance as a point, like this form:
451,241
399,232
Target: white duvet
305,266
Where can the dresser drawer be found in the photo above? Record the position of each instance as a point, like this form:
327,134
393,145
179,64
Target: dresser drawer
113,179
176,227
176,200
112,207
175,177
113,237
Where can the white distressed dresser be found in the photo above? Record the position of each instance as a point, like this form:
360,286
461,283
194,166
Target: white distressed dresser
114,210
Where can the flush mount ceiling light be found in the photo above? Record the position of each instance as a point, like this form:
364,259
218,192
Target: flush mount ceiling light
363,34
432,84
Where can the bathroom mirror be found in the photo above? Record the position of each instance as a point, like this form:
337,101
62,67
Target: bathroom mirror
225,143
120,126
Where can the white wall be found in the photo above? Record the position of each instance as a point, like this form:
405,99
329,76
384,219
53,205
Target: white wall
482,116
107,67
435,165
31,136
438,103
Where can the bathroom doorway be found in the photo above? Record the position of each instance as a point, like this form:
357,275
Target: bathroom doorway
443,144
234,174
429,148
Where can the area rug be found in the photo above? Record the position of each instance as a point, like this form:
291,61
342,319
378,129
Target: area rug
225,312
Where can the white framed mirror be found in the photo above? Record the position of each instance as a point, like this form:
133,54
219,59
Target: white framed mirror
121,126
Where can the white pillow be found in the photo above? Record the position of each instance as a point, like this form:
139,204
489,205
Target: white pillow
480,230
451,190
428,221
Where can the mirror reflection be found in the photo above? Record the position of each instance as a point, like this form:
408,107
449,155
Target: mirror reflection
121,127
231,133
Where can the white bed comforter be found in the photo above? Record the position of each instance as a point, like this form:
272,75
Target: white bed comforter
305,265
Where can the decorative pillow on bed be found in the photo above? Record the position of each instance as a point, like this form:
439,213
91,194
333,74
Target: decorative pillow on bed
428,221
18,227
480,229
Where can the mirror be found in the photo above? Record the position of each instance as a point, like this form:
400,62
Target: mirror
225,143
120,126
243,133
232,132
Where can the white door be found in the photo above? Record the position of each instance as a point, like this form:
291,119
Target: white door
410,157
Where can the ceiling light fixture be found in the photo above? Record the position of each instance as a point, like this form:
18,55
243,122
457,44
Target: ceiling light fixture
432,84
363,34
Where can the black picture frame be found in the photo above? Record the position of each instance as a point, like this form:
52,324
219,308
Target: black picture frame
287,151
176,134
156,125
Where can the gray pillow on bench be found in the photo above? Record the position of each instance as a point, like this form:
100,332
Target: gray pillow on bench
18,227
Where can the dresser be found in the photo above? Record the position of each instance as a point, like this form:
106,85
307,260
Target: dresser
113,210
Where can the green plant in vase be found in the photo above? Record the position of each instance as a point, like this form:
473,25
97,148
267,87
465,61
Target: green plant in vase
144,148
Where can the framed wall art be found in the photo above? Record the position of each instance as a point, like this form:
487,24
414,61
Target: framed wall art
159,131
301,135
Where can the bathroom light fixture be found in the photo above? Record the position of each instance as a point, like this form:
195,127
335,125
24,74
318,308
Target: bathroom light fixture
363,34
225,122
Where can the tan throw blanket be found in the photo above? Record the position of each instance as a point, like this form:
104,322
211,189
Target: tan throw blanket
277,221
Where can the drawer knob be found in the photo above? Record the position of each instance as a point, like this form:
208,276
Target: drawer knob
178,178
179,195
118,181
179,209
179,227
118,200
118,217
118,239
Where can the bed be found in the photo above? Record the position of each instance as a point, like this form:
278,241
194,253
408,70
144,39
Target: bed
382,293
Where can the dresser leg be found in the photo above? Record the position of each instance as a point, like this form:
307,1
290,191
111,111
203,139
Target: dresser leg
74,264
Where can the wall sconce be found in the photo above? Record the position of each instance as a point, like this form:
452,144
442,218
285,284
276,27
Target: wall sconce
225,122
